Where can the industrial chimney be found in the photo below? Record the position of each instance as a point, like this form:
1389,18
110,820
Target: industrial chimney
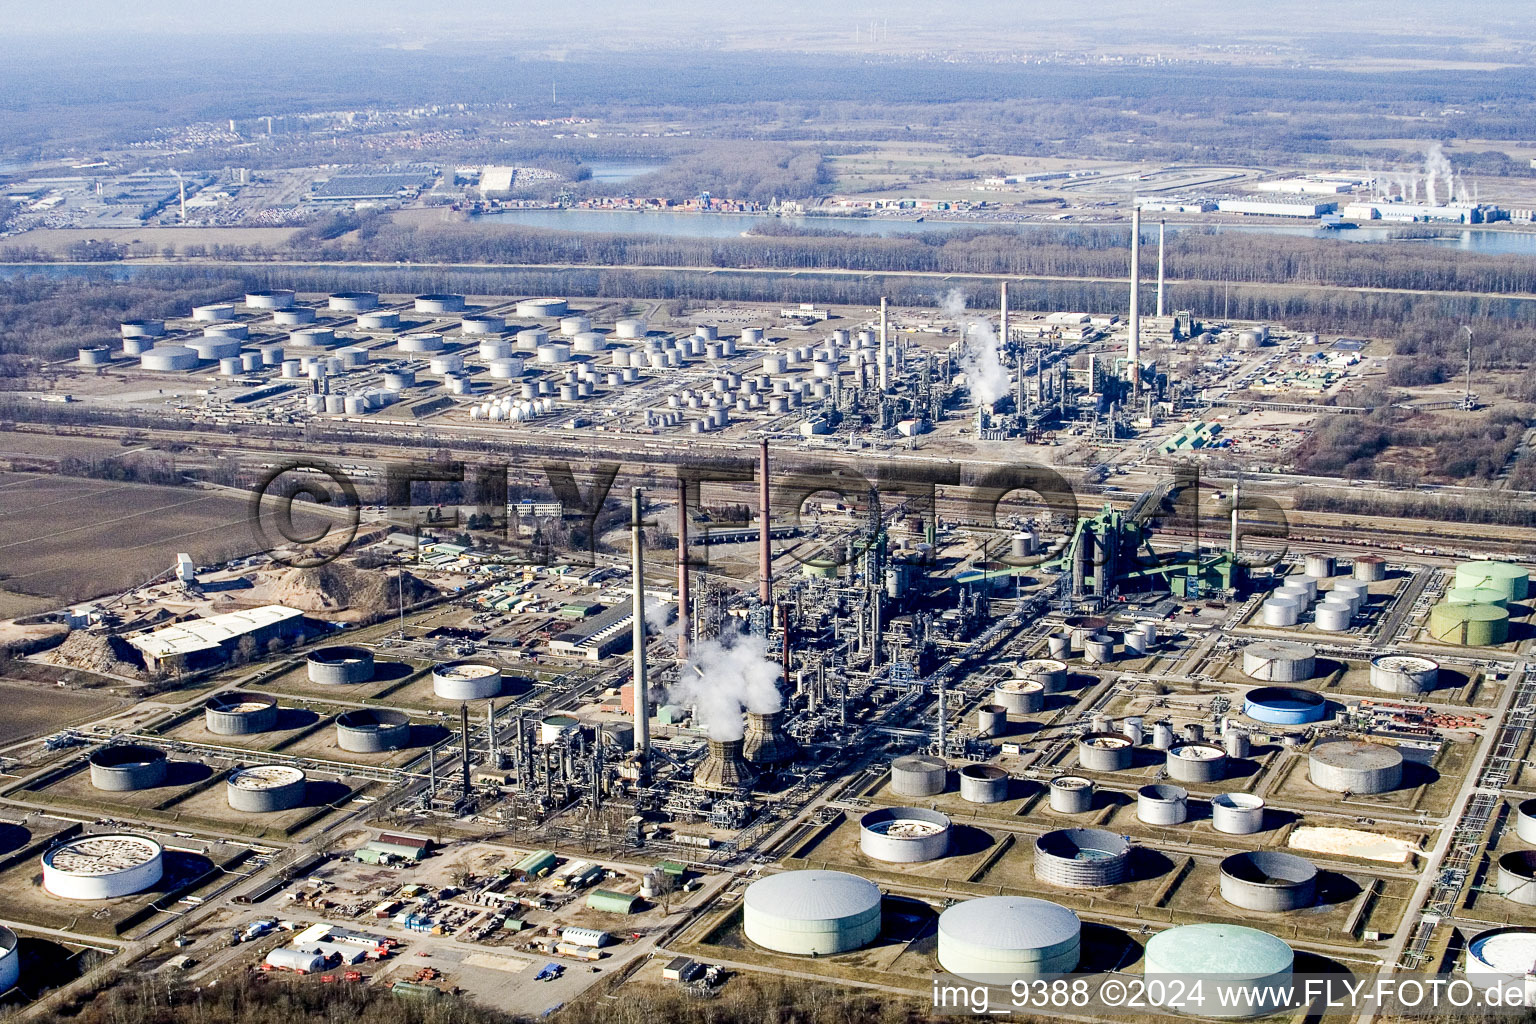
724,769
1133,350
685,620
766,742
885,352
1162,227
765,548
642,698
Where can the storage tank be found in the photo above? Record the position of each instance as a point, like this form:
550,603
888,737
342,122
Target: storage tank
10,960
1355,766
142,328
1259,963
1269,881
1196,762
1525,821
266,788
1370,568
1284,705
1305,584
419,343
1318,565
983,784
294,317
240,713
1279,661
1236,743
573,325
137,346
448,362
128,766
102,866
1104,752
552,354
552,728
372,730
1051,674
1404,674
541,308
211,349
1517,877
1099,649
1469,625
1059,644
1162,804
1020,696
313,337
631,329
439,303
1071,794
1162,736
214,313
227,332
904,835
483,323
991,720
1331,617
811,913
1237,814
916,775
589,343
1082,858
340,664
399,380
1003,939
1503,958
1282,611
466,680
382,320
352,302
1513,581
1476,595
277,298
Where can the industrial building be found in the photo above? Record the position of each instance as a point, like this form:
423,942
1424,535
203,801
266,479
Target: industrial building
215,638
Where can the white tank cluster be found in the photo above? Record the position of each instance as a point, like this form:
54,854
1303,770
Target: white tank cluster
811,913
511,410
102,866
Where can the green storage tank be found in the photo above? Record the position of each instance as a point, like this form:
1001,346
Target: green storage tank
1471,625
1476,595
1513,581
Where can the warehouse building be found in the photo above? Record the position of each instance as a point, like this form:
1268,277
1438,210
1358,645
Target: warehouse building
1272,206
602,635
211,640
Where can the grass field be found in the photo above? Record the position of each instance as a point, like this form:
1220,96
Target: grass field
32,708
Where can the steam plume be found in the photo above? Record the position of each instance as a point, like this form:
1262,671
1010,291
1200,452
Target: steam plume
724,678
979,355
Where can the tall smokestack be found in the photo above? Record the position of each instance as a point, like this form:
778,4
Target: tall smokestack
492,751
1002,320
464,739
1133,350
1162,226
642,698
765,549
885,349
685,620
1232,544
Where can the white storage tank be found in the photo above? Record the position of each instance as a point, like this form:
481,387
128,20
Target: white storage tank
466,680
277,298
631,329
96,355
169,358
1237,814
439,303
811,913
313,337
293,317
1247,957
383,320
213,313
904,835
484,323
571,326
541,309
102,866
1403,674
1001,939
418,343
352,302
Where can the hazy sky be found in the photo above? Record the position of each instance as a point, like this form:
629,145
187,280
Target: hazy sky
600,22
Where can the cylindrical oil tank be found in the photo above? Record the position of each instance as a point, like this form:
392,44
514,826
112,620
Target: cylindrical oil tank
313,337
466,680
272,354
419,343
137,346
142,328
983,784
352,302
102,866
1284,705
1104,752
541,308
571,326
1513,581
1133,729
1082,858
1318,565
1306,584
1517,877
1099,649
1468,625
811,913
265,788
1370,568
381,320
1237,743
212,349
214,313
439,303
1282,611
1020,696
1330,617
991,720
1474,595
904,835
96,355
1059,645
399,380
505,369
552,353
277,298
553,727
1135,643
10,960
1051,673
620,734
1279,661
1525,822
229,366
1162,805
372,730
631,329
240,713
916,775
1162,736
1501,958
1197,762
1071,794
1404,674
1237,814
482,323
340,664
1355,766
294,317
447,362
588,343
1003,939
128,766
1268,880
1255,970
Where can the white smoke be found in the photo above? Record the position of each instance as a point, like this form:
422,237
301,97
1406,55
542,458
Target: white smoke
979,355
1436,169
658,618
725,678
